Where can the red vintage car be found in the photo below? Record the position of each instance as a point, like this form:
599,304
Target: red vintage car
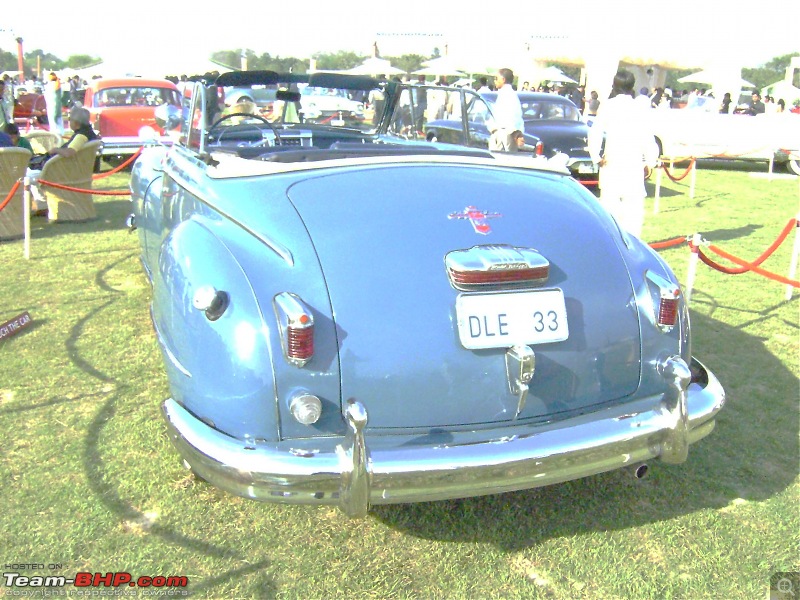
30,110
121,107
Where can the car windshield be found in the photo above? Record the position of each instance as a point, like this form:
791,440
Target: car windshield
136,96
323,99
535,110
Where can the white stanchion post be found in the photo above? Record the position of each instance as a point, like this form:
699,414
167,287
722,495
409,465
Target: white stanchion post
657,199
793,264
693,167
691,272
26,212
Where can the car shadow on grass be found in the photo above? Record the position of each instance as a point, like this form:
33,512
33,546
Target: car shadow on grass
102,477
752,455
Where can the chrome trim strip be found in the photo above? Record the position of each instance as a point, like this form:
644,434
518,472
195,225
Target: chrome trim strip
356,471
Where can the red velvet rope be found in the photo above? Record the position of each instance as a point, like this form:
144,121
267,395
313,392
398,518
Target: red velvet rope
756,269
676,179
85,191
746,265
8,198
118,168
668,243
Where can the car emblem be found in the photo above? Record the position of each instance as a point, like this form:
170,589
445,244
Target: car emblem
477,218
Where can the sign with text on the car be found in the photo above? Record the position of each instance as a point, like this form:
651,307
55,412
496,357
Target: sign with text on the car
507,319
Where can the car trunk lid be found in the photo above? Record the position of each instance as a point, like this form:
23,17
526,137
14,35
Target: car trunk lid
382,235
124,121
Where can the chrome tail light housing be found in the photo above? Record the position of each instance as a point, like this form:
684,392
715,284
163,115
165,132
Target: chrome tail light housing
485,267
666,301
296,324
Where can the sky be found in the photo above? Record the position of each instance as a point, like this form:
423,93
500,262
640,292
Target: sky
145,32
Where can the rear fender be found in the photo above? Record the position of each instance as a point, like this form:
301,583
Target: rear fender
219,365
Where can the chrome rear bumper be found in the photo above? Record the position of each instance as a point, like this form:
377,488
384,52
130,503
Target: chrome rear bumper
356,471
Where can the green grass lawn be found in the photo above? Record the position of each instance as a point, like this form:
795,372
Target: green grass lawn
90,482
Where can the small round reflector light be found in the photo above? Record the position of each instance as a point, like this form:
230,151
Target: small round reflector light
306,408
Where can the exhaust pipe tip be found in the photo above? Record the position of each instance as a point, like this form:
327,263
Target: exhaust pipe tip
640,471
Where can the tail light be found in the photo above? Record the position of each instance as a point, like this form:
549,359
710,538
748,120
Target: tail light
296,323
498,265
666,301
668,308
539,149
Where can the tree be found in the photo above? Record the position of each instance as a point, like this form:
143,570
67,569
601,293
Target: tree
8,61
78,61
774,70
408,62
338,61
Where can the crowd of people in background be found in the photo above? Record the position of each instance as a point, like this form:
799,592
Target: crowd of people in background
657,97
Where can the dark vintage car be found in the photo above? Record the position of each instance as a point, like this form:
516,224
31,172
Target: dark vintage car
351,318
553,124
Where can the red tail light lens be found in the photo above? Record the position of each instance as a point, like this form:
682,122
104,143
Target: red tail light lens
668,309
300,341
497,277
296,323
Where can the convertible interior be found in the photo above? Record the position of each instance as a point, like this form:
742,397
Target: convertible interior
301,127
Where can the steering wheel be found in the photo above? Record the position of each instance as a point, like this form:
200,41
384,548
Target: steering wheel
278,140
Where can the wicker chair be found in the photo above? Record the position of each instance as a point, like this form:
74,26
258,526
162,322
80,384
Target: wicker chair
13,162
42,141
76,172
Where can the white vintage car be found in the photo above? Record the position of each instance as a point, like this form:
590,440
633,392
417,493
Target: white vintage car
323,103
690,133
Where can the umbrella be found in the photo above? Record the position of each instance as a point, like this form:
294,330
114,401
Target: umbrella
375,66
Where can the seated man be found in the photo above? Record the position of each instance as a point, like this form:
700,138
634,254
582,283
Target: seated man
82,132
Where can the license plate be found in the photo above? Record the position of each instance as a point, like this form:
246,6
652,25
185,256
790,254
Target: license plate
508,319
587,168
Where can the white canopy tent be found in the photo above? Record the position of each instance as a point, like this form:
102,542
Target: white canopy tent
715,76
551,73
375,66
782,89
453,64
175,66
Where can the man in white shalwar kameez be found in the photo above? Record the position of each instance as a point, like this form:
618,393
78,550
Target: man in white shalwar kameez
629,146
507,115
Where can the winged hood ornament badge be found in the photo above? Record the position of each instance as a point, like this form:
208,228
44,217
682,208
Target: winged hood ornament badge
478,218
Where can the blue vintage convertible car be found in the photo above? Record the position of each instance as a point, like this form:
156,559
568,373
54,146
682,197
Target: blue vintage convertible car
351,318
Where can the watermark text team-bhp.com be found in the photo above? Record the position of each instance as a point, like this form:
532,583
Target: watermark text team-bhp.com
26,580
